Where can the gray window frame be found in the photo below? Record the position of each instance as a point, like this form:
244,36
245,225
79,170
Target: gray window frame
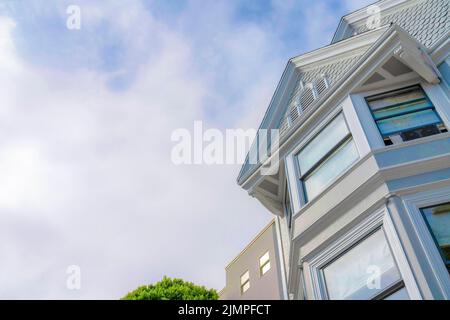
314,261
323,159
392,288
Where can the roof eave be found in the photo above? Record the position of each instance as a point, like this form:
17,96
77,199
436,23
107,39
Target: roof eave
357,42
347,78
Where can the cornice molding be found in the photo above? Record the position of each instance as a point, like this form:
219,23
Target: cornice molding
336,50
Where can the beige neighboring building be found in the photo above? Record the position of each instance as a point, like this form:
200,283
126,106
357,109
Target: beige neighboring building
256,272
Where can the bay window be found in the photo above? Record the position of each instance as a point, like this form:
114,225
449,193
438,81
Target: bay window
405,114
326,156
365,271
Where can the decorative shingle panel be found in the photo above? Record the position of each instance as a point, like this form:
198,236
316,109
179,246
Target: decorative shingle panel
321,77
307,97
427,20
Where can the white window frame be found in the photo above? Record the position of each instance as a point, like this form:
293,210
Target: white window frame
346,107
414,203
304,176
380,219
293,170
435,93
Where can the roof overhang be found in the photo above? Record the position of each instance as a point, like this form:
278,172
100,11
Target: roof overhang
345,47
415,56
302,62
393,42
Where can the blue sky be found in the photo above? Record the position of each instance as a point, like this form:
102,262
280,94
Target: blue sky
291,26
86,120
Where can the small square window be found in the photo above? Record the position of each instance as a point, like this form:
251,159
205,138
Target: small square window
245,281
264,264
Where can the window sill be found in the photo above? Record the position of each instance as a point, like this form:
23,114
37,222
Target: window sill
412,142
361,161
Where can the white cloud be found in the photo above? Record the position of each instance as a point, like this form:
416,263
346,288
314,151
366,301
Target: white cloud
86,171
87,178
353,5
22,175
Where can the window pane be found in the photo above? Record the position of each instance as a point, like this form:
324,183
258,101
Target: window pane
405,108
245,277
393,98
265,268
245,287
342,159
401,294
438,219
408,121
353,275
322,143
404,115
264,259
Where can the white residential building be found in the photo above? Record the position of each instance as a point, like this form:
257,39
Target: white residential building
362,196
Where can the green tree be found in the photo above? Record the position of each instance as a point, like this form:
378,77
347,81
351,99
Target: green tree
172,289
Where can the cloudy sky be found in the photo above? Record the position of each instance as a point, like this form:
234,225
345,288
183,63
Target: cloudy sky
86,116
